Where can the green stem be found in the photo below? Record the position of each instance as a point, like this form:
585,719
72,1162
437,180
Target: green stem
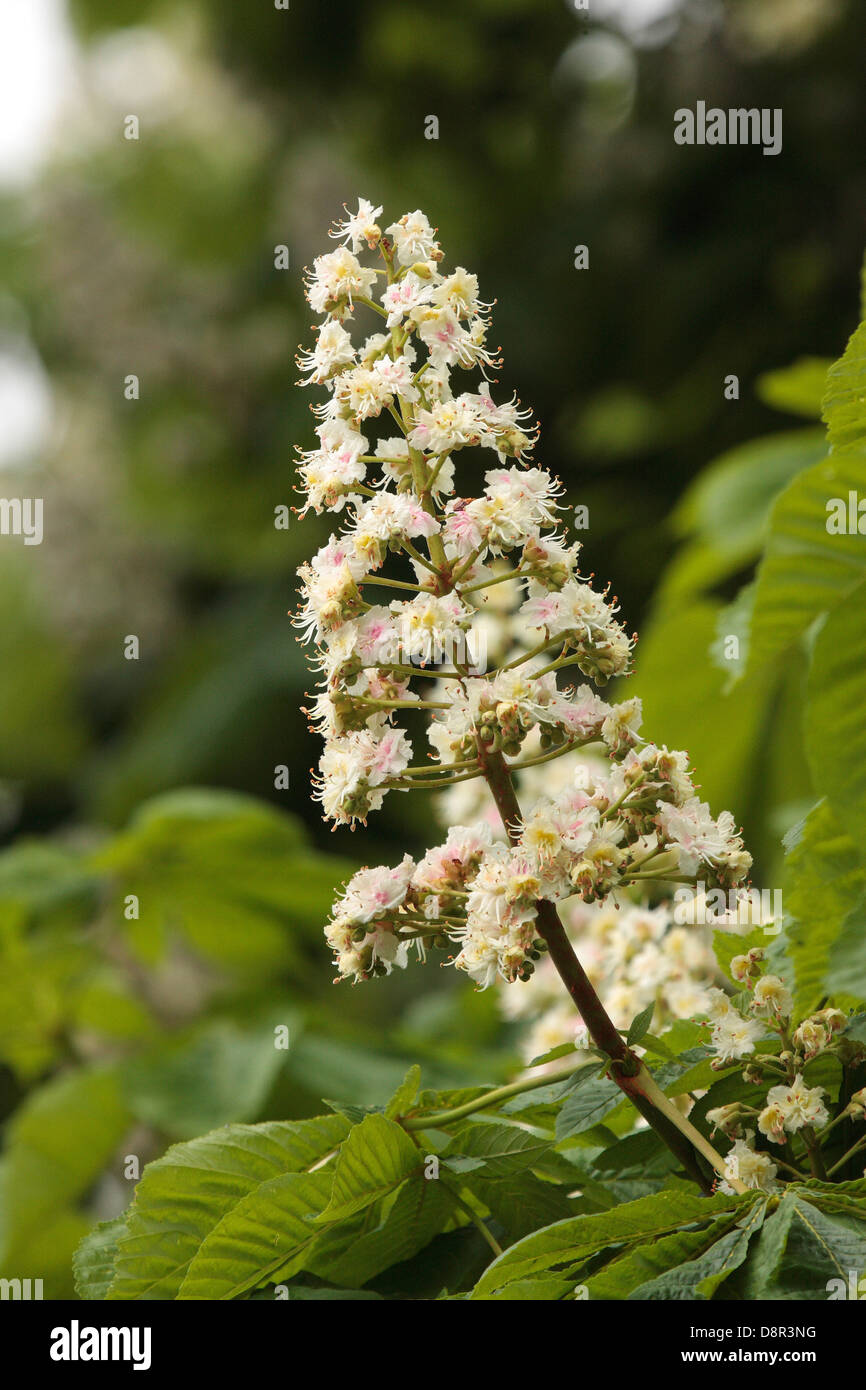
474,1218
846,1156
438,1119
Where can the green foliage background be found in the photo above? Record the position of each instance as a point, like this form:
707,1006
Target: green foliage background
122,1035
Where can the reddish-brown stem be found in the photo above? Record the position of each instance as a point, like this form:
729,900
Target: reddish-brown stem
625,1067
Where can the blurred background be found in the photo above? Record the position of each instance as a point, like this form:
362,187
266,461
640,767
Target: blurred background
156,257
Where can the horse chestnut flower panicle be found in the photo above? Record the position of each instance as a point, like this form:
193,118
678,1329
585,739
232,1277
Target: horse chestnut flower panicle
397,603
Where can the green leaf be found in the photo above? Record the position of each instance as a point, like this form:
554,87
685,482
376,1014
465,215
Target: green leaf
835,729
825,903
844,405
635,1150
229,872
569,1244
807,570
687,699
93,1262
801,1249
546,1097
376,1158
700,1274
265,1238
640,1025
402,1099
563,1050
184,1195
522,1203
587,1107
798,389
57,1144
492,1150
725,510
638,1265
421,1210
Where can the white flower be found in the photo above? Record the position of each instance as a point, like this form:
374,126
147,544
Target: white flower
798,1105
702,840
448,342
430,628
359,226
459,293
338,276
333,350
446,425
752,1169
413,237
372,893
352,770
773,995
734,1037
401,297
390,519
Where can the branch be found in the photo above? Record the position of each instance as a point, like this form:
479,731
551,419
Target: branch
626,1069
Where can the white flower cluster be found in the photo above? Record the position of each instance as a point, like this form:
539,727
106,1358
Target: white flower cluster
602,831
397,496
790,1107
638,816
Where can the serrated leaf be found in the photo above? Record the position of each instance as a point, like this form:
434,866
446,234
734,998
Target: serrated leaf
266,1237
801,1249
402,1099
587,1107
494,1150
798,389
93,1262
183,1196
375,1159
564,1050
700,1275
825,904
834,726
640,1025
522,1203
221,1074
805,571
422,1209
569,1244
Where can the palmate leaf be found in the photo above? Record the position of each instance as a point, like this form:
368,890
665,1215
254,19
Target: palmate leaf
805,571
183,1196
798,389
586,1107
219,1074
56,1146
562,1249
520,1204
305,1220
702,1267
803,1245
723,513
